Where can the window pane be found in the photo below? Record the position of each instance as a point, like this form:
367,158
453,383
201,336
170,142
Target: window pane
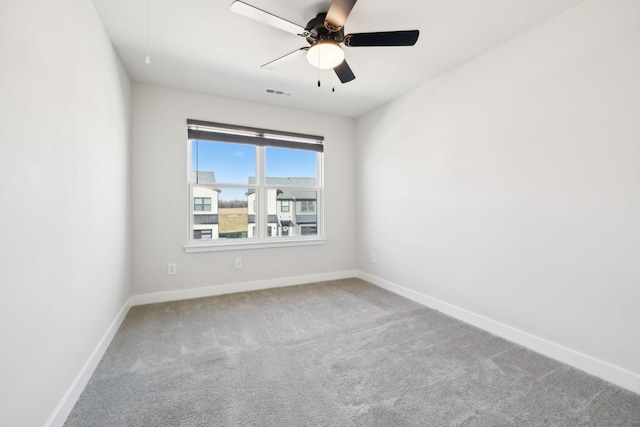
296,212
235,220
222,162
285,166
306,207
201,203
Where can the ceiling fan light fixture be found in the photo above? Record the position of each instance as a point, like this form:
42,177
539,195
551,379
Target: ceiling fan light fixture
325,54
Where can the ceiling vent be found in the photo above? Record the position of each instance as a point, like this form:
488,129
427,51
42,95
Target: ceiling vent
278,92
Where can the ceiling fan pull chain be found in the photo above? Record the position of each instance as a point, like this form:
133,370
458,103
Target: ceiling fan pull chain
147,59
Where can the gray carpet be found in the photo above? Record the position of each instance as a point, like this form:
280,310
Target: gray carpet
341,353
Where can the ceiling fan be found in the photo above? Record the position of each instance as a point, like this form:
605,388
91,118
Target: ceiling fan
324,33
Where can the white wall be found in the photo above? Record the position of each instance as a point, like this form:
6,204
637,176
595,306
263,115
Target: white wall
160,198
520,177
64,135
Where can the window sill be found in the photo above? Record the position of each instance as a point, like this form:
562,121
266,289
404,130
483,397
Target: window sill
245,245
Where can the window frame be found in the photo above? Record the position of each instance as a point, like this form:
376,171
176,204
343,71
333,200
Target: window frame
262,239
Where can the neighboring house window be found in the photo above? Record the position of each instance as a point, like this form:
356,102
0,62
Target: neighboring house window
308,229
307,206
241,175
202,234
201,204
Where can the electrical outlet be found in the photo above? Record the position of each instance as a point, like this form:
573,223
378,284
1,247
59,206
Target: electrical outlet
373,258
172,269
238,263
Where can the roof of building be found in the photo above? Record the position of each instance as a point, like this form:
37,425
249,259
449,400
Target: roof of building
203,177
205,218
272,219
296,195
293,181
306,219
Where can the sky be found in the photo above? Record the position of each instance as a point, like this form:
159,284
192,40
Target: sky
235,163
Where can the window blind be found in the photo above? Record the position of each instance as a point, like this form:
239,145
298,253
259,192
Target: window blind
218,132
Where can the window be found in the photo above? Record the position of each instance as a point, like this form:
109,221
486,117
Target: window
247,179
307,229
201,203
308,206
202,234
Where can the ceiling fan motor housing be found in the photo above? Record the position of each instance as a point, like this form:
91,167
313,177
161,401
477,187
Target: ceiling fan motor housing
318,31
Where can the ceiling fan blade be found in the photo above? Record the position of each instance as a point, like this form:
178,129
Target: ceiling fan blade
344,73
384,38
267,18
338,13
289,57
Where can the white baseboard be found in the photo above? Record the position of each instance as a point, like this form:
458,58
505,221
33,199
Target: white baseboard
62,411
72,395
608,372
604,370
209,291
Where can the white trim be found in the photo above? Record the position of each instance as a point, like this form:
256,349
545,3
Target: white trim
68,401
599,368
244,244
70,398
237,287
606,371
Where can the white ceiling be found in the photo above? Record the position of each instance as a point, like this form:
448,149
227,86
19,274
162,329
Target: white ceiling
200,45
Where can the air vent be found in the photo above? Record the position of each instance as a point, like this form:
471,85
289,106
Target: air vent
278,92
